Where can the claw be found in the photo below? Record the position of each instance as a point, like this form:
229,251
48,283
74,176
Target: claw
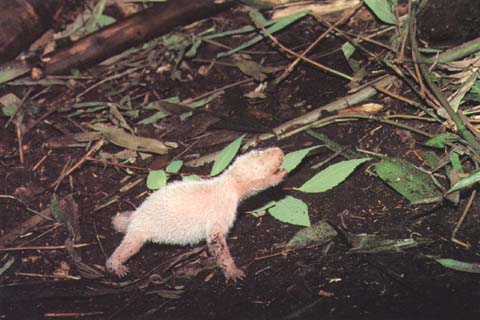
234,274
117,268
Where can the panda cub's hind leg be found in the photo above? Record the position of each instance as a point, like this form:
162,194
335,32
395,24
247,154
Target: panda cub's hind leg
130,245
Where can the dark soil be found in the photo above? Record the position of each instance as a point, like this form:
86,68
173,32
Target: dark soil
314,283
450,22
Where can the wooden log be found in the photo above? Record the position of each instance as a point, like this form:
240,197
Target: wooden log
21,23
132,31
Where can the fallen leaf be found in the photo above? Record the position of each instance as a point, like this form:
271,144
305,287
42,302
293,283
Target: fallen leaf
123,139
367,243
471,267
226,156
293,159
414,184
332,176
318,234
364,109
291,210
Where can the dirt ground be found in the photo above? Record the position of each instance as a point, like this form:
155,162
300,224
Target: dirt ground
173,282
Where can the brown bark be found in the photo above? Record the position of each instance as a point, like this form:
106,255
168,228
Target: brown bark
132,31
21,22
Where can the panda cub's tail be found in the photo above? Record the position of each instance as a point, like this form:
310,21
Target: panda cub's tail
121,220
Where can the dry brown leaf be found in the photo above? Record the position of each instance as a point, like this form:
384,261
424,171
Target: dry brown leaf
463,64
123,139
126,8
466,84
364,109
318,10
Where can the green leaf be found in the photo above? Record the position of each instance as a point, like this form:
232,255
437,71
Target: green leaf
103,20
204,101
192,52
318,234
291,210
174,166
226,156
13,72
456,162
473,178
256,15
156,179
57,211
331,176
412,183
459,265
251,69
335,147
441,140
293,159
430,157
383,10
9,104
192,177
154,117
348,49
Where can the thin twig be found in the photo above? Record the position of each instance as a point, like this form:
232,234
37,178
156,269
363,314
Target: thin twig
40,119
42,160
7,196
98,240
293,53
55,226
93,149
80,245
462,218
60,178
340,21
73,314
115,164
113,77
228,86
20,141
352,117
38,275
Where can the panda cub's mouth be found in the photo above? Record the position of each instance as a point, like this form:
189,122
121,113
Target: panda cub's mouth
278,170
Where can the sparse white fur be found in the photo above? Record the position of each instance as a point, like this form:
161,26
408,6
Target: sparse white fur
121,220
189,212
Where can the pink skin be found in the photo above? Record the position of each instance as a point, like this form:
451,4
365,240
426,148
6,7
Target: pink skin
128,247
189,212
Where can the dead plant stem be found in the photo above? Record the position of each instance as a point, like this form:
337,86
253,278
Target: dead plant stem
7,196
80,245
469,137
351,117
462,219
293,53
340,21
